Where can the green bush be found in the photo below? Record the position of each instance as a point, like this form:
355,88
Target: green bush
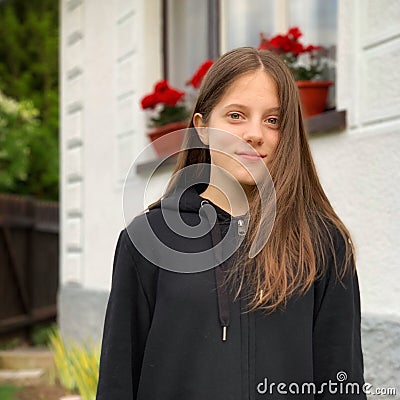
29,74
29,55
28,153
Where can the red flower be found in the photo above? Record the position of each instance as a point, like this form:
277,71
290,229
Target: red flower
295,32
149,101
161,86
170,97
288,43
279,42
289,48
310,48
162,94
297,48
198,76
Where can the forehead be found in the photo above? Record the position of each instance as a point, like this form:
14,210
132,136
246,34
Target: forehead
252,88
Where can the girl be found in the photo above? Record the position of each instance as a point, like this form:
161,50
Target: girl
278,322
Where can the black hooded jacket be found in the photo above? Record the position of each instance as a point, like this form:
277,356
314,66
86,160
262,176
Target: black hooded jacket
180,336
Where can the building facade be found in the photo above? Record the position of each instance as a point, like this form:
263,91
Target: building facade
112,52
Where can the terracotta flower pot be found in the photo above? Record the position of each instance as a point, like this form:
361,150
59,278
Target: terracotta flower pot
313,95
174,142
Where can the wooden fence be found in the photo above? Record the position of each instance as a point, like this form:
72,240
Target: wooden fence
29,261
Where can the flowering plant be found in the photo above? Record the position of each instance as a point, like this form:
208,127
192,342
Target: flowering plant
289,48
198,76
166,103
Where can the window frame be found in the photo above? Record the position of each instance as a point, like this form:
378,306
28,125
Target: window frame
213,34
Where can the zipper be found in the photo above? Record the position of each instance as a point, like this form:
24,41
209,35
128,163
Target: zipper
252,356
241,228
245,352
248,348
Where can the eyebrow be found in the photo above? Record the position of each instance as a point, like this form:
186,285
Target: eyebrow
237,105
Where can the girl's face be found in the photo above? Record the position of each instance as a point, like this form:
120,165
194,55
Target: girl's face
249,111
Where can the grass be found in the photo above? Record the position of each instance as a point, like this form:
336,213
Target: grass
7,392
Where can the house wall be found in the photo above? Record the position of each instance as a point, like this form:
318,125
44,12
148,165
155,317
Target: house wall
110,56
359,171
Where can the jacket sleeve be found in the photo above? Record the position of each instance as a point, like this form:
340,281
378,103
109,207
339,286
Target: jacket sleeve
337,350
126,326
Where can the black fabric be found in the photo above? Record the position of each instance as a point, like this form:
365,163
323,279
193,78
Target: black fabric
162,336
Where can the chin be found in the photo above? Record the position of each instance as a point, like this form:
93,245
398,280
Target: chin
246,180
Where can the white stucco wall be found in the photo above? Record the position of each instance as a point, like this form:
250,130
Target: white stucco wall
359,171
110,57
367,155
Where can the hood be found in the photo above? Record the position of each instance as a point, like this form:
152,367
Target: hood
190,201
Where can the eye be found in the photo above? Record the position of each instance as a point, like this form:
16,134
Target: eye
234,115
273,121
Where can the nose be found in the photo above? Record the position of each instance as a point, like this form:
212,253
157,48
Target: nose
253,133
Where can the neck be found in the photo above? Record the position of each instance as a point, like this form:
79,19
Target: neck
229,197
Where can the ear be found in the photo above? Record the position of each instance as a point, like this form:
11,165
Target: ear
200,128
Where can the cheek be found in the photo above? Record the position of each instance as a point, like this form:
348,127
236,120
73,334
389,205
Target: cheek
274,139
221,158
222,140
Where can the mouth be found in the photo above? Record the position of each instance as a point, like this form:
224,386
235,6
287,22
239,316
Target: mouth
251,156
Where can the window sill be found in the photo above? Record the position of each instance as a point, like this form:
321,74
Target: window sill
150,165
328,121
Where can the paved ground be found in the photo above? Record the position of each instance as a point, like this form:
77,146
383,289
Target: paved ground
28,369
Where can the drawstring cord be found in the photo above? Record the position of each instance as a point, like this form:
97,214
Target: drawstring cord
222,295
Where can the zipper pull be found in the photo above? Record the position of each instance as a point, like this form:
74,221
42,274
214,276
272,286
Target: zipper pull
224,333
241,228
203,202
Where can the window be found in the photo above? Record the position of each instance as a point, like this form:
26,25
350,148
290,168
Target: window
191,36
242,22
197,30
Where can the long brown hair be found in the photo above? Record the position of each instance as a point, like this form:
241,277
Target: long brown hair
295,254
